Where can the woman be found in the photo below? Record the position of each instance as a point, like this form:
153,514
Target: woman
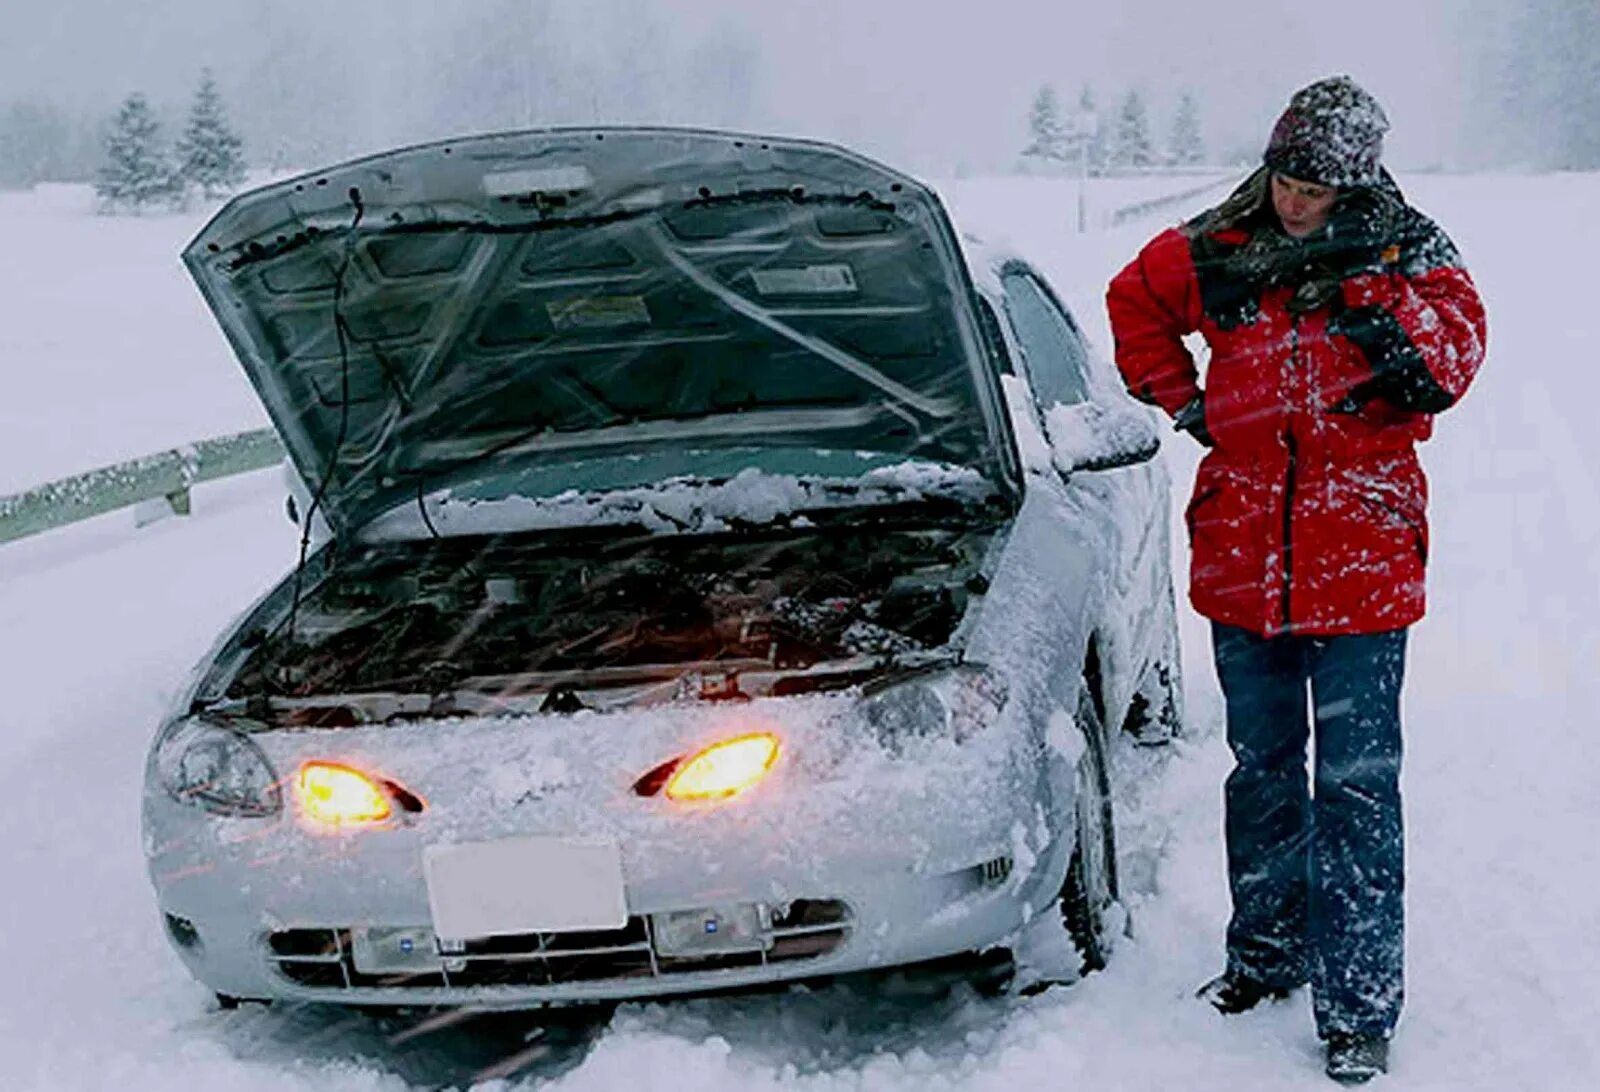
1339,320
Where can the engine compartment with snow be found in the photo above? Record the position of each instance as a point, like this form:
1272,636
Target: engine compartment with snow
546,621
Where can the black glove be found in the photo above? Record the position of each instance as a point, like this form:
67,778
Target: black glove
1361,325
1400,376
1362,225
1192,419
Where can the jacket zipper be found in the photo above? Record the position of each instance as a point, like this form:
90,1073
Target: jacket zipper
1288,485
1288,525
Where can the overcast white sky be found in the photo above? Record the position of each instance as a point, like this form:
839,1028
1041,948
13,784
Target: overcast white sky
936,85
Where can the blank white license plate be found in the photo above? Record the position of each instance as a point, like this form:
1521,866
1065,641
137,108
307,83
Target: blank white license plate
524,885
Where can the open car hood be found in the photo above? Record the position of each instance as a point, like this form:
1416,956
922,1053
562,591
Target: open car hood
430,315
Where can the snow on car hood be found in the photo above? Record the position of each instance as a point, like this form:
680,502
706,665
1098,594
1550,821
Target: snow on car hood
541,298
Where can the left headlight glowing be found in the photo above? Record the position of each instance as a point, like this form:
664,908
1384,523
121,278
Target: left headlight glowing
724,769
337,795
217,768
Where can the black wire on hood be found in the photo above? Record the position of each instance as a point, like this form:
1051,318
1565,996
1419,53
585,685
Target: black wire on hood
422,507
342,332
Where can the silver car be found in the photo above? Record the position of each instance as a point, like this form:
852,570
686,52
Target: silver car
714,573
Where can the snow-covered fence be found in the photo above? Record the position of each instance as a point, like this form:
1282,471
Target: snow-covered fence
165,476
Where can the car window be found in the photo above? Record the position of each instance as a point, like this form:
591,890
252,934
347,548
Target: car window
1056,358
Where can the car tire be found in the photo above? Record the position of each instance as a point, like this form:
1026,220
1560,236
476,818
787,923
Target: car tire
1089,891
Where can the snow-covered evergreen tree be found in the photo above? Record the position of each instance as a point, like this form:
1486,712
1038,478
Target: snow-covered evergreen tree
210,153
136,172
1187,148
1051,140
1131,145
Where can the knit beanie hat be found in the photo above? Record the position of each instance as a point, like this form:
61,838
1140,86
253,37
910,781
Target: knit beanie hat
1331,134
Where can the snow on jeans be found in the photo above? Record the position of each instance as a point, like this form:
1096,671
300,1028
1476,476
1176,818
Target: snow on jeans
1317,875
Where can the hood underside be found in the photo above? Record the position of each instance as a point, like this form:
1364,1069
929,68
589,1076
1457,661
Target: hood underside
437,314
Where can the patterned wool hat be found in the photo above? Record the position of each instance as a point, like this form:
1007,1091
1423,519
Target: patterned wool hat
1331,134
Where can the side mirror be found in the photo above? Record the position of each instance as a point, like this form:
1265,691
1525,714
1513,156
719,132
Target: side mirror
1087,436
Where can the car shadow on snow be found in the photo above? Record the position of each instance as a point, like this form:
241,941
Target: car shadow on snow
802,1029
426,1050
838,1027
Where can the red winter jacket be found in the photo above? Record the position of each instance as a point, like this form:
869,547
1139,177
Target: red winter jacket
1303,520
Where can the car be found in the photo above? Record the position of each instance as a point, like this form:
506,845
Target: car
714,573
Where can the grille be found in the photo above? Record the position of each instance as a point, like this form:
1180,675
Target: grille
323,958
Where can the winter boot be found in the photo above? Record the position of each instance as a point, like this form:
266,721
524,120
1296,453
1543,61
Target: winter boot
1231,993
1356,1059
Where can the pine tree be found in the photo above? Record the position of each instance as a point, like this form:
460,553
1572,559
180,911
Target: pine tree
136,171
1099,144
1187,148
1052,140
210,153
1131,142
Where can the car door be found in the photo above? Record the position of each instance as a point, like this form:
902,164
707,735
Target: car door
1128,503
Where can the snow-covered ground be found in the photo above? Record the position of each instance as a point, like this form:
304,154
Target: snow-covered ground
106,352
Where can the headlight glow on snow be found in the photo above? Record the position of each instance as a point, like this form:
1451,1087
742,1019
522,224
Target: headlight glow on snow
217,768
337,795
725,768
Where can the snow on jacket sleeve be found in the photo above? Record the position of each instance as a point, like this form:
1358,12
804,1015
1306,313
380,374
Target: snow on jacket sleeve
1153,303
1422,329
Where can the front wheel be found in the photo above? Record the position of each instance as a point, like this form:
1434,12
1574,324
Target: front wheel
1089,892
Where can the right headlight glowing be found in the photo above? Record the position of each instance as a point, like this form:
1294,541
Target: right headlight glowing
724,769
217,768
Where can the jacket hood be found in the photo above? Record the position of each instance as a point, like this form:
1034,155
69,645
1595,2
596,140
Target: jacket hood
527,300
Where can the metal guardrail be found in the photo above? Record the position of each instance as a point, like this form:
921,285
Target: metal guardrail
1146,208
166,475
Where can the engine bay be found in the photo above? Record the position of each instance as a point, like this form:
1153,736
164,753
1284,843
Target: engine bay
521,615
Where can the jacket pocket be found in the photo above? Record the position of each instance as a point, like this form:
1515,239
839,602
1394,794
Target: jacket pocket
1399,518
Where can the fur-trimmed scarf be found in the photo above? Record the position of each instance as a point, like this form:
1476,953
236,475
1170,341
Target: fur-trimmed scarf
1363,228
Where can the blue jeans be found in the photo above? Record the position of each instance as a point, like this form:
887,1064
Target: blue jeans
1317,876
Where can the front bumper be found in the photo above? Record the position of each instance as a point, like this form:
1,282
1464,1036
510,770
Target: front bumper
865,862
308,947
